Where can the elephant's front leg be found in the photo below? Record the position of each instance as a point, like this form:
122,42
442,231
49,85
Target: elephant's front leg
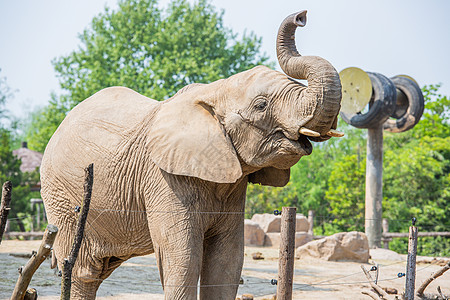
178,245
223,256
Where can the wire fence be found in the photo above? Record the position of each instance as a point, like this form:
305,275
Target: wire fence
146,284
298,285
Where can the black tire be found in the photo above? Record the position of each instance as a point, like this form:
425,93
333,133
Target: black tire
406,115
381,105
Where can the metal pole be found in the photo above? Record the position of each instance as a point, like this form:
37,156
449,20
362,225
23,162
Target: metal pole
374,186
38,216
287,250
385,225
311,222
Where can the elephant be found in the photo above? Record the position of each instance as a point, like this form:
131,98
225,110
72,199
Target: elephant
170,176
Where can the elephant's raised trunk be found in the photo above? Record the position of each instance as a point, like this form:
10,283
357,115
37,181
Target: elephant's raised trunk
324,86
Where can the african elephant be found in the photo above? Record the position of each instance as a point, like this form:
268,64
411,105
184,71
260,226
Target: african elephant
170,177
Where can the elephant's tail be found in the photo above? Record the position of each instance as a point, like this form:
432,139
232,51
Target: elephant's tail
54,261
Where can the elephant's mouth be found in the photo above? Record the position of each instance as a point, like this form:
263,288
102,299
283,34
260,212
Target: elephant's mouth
301,146
305,144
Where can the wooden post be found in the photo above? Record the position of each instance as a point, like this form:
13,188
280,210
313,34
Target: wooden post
411,264
68,263
311,222
386,230
26,273
287,251
374,186
4,207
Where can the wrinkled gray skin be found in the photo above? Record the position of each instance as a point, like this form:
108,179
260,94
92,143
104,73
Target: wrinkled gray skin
158,164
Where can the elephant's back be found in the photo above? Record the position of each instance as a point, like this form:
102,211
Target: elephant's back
102,130
99,125
113,109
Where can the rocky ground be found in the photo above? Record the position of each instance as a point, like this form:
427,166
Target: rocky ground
138,278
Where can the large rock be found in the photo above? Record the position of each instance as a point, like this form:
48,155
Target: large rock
268,222
385,254
343,246
272,223
253,234
301,223
273,239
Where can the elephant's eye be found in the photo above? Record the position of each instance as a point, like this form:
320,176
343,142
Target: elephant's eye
261,104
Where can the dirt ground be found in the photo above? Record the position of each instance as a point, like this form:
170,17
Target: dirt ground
138,278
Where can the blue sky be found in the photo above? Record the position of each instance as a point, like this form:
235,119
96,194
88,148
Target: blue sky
386,36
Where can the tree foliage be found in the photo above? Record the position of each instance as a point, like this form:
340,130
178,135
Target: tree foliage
10,165
152,51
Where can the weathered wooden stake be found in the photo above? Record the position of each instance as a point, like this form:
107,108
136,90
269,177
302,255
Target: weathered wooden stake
287,251
26,273
311,222
68,263
30,294
5,208
411,264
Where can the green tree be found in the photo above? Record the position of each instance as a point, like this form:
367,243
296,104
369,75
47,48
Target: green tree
416,180
155,52
10,166
417,176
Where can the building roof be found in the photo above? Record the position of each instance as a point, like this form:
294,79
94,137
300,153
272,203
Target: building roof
30,159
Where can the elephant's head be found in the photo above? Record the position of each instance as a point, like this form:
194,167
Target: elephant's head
258,123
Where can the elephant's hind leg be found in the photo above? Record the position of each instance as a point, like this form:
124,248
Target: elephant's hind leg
88,280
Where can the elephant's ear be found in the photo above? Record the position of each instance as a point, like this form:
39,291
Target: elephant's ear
270,176
185,138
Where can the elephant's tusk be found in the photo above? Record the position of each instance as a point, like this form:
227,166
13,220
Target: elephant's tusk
308,132
335,133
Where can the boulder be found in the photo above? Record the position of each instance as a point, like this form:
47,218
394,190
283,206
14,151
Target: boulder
253,234
272,223
343,246
384,254
273,239
301,223
268,222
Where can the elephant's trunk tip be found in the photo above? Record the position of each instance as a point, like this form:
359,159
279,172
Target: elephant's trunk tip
300,18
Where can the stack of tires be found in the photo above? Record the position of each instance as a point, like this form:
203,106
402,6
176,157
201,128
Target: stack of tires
396,104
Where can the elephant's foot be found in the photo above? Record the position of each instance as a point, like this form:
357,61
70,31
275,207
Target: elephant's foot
84,289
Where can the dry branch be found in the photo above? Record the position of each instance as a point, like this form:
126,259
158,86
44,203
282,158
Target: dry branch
5,208
379,290
26,273
370,294
431,278
69,262
440,293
